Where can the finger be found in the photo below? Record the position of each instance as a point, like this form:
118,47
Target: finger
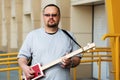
30,76
32,71
64,61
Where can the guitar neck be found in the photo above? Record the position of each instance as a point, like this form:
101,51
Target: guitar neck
68,56
60,59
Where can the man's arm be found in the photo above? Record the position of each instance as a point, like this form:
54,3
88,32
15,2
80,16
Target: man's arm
75,61
22,62
26,69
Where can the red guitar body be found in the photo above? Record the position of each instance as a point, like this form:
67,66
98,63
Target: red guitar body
38,72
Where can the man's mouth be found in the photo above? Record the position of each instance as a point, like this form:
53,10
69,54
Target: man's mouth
51,21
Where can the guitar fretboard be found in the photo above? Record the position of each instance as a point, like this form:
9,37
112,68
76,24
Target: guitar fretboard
68,56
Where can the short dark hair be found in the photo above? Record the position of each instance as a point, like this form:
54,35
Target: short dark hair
52,5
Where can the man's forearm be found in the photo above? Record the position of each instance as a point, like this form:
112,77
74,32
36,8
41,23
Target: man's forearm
22,62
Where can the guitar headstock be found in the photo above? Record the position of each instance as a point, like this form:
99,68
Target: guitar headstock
89,46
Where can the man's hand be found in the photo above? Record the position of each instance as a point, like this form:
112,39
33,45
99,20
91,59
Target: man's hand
28,72
70,62
66,63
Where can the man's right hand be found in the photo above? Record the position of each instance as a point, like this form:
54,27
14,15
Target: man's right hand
28,72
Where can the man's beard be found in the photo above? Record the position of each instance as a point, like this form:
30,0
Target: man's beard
52,25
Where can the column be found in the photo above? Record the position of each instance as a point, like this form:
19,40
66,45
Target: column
7,4
0,25
36,13
19,19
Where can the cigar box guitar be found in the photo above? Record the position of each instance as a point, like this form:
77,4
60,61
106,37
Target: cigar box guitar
39,69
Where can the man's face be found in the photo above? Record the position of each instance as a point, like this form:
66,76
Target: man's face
51,17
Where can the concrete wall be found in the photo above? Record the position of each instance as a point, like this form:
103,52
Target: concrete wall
81,26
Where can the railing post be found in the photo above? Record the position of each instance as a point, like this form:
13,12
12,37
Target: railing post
74,73
117,58
116,55
20,74
8,72
99,68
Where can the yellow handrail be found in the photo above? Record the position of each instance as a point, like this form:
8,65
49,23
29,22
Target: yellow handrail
99,59
8,59
115,47
9,54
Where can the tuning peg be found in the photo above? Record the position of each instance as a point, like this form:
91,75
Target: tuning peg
94,48
88,51
88,43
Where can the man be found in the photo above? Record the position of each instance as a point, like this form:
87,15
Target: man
46,45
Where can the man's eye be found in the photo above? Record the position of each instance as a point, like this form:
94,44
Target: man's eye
52,15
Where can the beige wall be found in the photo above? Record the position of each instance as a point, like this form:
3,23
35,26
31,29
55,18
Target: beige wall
0,24
81,23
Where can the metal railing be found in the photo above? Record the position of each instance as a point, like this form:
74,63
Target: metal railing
8,59
95,58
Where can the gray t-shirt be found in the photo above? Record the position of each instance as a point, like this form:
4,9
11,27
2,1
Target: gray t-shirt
46,48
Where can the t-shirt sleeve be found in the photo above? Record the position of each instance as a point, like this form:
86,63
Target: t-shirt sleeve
25,50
